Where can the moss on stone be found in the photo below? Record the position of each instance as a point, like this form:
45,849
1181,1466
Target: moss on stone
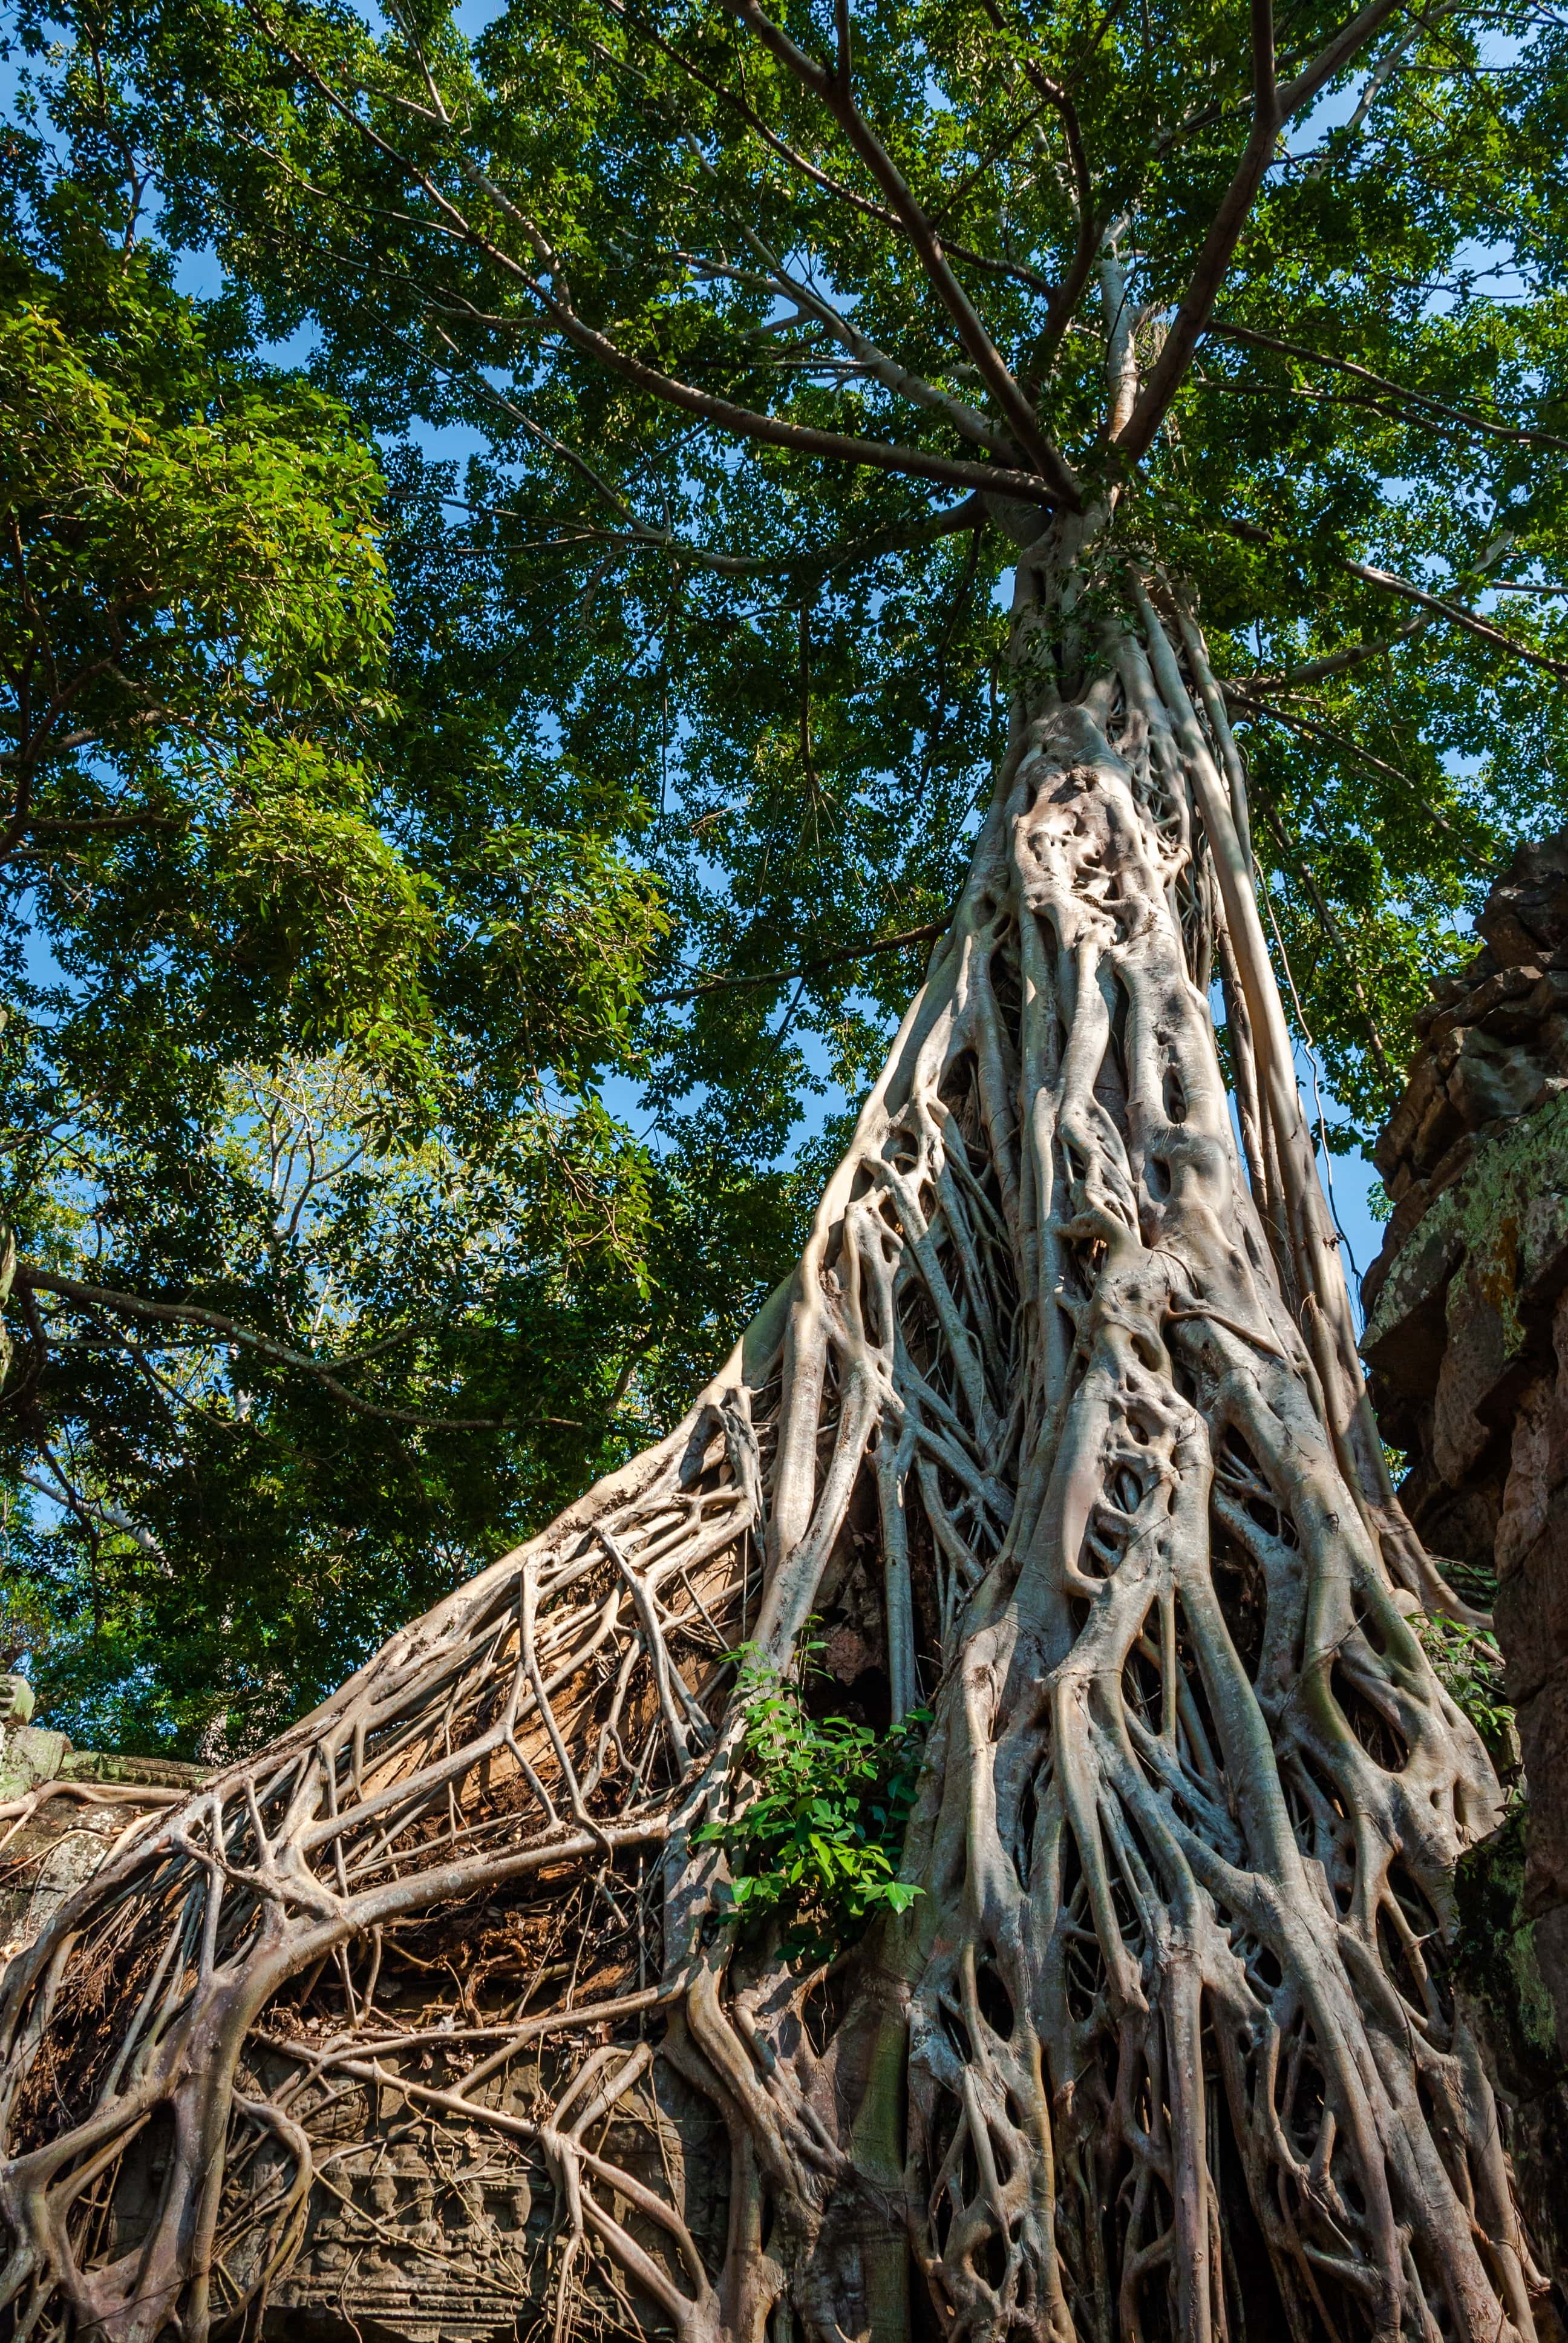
1494,1947
1483,1211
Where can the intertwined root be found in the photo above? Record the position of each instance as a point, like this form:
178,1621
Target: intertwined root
1060,1400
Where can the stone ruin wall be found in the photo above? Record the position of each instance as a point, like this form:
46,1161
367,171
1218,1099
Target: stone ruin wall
1467,1343
62,1810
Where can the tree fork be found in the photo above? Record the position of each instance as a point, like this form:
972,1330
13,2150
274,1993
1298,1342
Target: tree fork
1164,2047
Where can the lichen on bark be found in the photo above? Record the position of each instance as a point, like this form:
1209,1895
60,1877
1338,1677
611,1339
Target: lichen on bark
1164,2047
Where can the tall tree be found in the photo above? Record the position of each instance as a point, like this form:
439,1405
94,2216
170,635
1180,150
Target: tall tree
326,1257
821,322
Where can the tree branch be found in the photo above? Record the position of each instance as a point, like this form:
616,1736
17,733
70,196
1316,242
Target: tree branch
897,538
1388,583
726,413
1456,616
1248,335
927,934
834,93
1338,662
1300,868
865,204
1219,246
29,1281
1351,37
747,422
1091,228
1311,729
1273,108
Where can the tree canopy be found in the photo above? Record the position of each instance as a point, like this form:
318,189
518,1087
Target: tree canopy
396,833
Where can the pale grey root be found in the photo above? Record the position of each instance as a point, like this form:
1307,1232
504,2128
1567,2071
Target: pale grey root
1164,2048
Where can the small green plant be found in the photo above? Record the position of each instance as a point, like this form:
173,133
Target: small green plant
819,1844
1469,1667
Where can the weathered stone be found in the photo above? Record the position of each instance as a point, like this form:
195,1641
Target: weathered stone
1399,1136
1489,1079
1473,1007
32,1755
16,1700
59,1846
1478,1399
1510,939
1528,1490
1504,1971
1460,1524
1543,1251
1531,1612
1527,910
1450,1169
1543,1737
148,1772
1484,1370
1407,1332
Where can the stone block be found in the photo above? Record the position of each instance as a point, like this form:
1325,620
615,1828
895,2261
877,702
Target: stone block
1398,1136
1544,1250
1527,1493
1516,1022
1495,995
1460,1524
1450,991
1409,1212
1491,1080
1543,1737
1531,1610
1551,993
1526,912
1450,1169
1445,1121
32,1754
1407,1329
144,1773
1549,1944
1484,1370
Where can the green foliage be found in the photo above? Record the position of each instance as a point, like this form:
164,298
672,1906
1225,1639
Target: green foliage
310,971
816,1840
476,746
809,727
1469,1667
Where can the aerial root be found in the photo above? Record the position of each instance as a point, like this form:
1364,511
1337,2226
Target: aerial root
1057,1419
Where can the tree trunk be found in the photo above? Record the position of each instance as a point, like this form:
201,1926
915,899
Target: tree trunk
1165,2046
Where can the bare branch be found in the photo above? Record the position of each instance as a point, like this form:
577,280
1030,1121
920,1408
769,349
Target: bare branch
29,1281
1219,244
925,935
1459,415
837,98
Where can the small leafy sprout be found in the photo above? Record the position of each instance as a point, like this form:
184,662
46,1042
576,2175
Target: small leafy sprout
1468,1664
819,1845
